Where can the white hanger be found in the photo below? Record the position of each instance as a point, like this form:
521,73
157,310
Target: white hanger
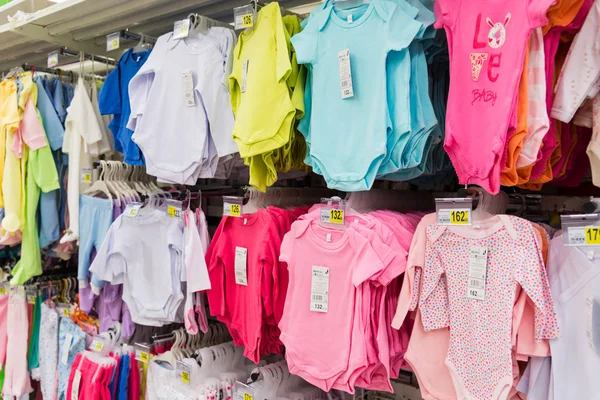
100,186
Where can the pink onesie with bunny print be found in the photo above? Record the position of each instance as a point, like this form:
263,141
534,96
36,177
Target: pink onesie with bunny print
479,353
487,42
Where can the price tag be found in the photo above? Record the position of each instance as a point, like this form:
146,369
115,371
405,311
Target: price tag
232,210
244,21
477,272
188,88
319,289
332,216
244,75
345,74
31,297
241,273
86,175
181,29
454,216
592,236
172,211
583,236
133,210
3,291
183,372
97,345
113,41
248,396
53,59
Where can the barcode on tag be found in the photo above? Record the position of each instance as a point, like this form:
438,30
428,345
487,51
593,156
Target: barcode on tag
241,273
244,75
319,288
476,283
478,256
188,88
345,74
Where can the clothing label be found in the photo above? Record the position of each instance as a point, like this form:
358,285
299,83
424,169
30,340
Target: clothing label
53,59
477,272
183,372
181,29
232,210
133,211
332,216
75,385
349,18
244,21
319,289
113,41
454,216
66,347
86,175
188,88
244,75
345,74
241,272
142,356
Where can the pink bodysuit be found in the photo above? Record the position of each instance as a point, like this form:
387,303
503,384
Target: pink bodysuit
480,358
487,42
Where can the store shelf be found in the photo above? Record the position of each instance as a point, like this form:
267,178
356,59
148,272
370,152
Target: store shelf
81,25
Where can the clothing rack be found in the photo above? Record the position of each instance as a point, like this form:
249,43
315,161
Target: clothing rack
125,34
70,53
53,71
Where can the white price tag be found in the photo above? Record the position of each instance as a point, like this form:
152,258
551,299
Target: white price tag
183,372
576,236
345,74
241,272
454,216
188,88
86,175
477,272
319,289
53,59
181,29
65,349
113,41
244,75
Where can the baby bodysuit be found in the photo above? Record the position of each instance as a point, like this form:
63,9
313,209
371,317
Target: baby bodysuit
487,42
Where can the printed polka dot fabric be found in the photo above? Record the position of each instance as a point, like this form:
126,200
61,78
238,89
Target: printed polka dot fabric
479,353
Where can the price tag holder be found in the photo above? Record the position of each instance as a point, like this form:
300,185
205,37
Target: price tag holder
332,216
581,230
113,41
181,29
174,208
132,210
97,344
241,265
31,296
319,289
242,391
86,175
142,352
454,212
243,17
232,206
3,290
183,372
345,74
478,256
53,59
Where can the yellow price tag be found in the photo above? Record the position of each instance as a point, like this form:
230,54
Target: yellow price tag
172,211
133,212
248,396
3,291
592,236
31,299
459,217
66,312
247,20
144,357
114,44
185,377
98,346
235,210
336,216
87,178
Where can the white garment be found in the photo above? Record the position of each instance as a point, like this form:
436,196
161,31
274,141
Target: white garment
593,150
174,137
48,350
536,382
145,254
104,145
574,276
81,126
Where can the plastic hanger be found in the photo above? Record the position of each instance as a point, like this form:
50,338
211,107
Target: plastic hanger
100,186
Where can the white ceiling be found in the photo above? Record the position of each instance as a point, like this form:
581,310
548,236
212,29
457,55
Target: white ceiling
81,25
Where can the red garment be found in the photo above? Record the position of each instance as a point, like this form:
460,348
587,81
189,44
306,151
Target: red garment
134,386
94,380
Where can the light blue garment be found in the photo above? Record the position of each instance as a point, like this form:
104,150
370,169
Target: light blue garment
52,125
349,148
95,218
67,352
58,99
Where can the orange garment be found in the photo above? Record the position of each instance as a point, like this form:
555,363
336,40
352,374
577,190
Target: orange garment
562,13
509,177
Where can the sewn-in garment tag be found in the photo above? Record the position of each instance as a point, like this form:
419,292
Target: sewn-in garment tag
241,272
319,289
477,272
345,74
66,347
349,18
75,385
181,29
244,75
188,88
